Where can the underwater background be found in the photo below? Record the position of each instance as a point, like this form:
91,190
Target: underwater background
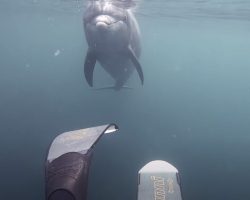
193,110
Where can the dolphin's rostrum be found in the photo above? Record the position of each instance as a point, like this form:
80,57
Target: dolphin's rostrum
113,38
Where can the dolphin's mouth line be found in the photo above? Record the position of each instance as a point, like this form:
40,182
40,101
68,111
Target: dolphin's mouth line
109,23
114,22
109,19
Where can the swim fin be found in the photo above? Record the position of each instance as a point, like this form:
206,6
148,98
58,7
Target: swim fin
159,180
68,161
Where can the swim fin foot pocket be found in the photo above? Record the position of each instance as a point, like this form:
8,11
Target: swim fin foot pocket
67,176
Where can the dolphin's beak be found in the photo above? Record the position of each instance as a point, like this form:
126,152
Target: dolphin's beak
104,20
102,25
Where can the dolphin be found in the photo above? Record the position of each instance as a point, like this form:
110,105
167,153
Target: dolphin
113,38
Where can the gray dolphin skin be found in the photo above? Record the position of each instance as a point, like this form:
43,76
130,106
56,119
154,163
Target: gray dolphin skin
113,38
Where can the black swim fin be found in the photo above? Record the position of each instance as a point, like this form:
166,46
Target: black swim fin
68,161
89,65
136,63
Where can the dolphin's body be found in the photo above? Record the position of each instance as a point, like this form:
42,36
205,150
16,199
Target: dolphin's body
113,38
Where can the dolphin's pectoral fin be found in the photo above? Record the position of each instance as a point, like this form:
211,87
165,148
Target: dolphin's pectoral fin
136,63
89,66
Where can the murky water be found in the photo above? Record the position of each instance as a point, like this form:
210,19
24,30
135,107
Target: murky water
193,110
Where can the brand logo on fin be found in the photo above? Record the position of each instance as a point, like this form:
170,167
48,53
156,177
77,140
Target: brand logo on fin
159,188
77,135
162,186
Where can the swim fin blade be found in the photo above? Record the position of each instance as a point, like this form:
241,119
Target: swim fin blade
159,180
